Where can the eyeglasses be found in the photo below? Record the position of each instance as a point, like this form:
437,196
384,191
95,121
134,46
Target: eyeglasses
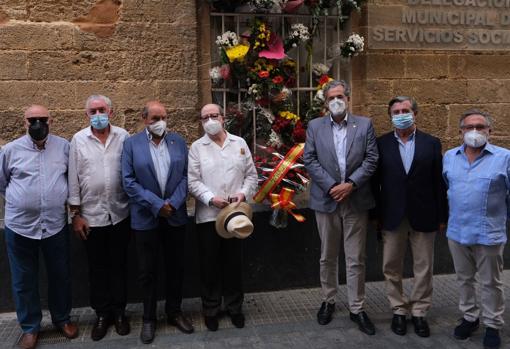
478,127
209,116
43,119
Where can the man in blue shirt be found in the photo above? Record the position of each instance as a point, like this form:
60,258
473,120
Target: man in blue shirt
33,180
477,178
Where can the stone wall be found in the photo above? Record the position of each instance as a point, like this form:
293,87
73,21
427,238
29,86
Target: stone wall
444,82
58,52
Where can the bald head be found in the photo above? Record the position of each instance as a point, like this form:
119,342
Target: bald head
37,122
211,109
153,112
36,111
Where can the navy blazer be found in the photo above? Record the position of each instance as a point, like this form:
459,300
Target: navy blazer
141,184
419,195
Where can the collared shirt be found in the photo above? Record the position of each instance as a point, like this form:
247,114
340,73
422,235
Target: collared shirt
478,195
34,183
406,150
340,140
95,181
219,171
161,160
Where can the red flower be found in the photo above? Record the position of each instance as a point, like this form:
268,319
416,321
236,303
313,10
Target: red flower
225,71
263,74
324,79
278,79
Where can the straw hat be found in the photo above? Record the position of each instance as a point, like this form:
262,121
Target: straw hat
234,221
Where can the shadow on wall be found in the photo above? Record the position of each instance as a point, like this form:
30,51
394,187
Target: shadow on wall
274,259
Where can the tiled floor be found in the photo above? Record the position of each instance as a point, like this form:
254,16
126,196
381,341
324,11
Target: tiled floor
283,319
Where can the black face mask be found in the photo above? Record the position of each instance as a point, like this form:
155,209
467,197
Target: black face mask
38,129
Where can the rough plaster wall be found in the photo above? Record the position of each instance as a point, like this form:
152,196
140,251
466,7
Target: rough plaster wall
57,52
444,83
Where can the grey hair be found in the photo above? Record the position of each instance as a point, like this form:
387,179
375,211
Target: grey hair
401,99
474,111
336,83
105,99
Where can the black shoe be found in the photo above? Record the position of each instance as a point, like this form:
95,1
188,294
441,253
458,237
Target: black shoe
421,326
148,332
364,323
325,313
237,320
183,324
211,322
465,329
121,324
100,328
399,324
491,339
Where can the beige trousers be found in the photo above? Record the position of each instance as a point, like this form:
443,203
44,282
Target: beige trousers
394,250
351,227
488,262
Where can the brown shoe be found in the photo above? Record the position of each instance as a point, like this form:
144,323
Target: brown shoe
181,322
29,340
69,330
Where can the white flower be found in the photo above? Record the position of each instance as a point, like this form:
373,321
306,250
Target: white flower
299,32
215,74
319,96
254,90
275,140
320,69
227,39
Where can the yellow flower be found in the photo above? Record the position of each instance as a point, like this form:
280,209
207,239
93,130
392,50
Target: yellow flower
237,52
289,116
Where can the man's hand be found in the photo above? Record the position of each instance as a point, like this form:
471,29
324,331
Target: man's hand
80,227
166,211
237,198
341,191
219,202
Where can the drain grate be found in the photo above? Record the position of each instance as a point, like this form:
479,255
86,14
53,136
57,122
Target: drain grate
49,334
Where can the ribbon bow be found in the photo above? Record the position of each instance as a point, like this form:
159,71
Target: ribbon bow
284,202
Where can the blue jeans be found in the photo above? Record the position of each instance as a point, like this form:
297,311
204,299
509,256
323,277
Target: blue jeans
24,262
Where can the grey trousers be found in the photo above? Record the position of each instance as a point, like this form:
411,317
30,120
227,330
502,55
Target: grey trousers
488,262
422,246
351,226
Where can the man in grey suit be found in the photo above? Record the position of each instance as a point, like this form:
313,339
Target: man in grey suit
341,156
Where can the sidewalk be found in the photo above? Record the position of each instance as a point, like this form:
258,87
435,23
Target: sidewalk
283,319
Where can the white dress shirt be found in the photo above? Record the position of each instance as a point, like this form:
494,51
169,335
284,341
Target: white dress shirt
161,160
219,171
34,184
95,181
340,140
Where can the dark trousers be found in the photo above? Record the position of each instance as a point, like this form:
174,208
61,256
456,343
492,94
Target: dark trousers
24,262
221,264
148,243
107,251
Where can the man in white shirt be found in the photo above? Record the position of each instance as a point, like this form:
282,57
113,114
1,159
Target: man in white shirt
220,170
33,180
99,211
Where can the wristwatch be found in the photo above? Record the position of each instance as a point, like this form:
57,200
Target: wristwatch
74,213
350,181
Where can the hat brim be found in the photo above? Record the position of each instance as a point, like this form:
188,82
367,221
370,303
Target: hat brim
242,207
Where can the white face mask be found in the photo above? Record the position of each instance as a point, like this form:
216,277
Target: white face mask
158,128
475,139
212,127
336,106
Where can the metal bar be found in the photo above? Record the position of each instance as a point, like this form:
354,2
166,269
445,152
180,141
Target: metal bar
251,14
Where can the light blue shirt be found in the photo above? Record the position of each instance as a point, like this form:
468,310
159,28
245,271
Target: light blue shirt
406,150
478,195
340,141
161,160
34,183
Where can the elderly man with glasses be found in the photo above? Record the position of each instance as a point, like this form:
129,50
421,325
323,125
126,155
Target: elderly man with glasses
33,180
221,170
477,175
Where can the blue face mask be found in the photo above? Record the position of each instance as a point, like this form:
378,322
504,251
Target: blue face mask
99,121
402,121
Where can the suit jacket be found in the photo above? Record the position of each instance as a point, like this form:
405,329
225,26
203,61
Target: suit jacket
141,184
322,164
419,195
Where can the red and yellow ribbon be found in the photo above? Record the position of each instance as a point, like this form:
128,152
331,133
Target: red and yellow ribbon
279,172
284,202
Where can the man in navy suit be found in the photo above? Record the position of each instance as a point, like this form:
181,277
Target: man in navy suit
341,156
411,205
154,173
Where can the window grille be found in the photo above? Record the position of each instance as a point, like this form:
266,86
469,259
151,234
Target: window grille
328,38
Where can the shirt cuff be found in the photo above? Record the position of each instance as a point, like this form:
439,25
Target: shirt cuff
206,198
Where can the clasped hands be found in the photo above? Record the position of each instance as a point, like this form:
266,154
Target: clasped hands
341,192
